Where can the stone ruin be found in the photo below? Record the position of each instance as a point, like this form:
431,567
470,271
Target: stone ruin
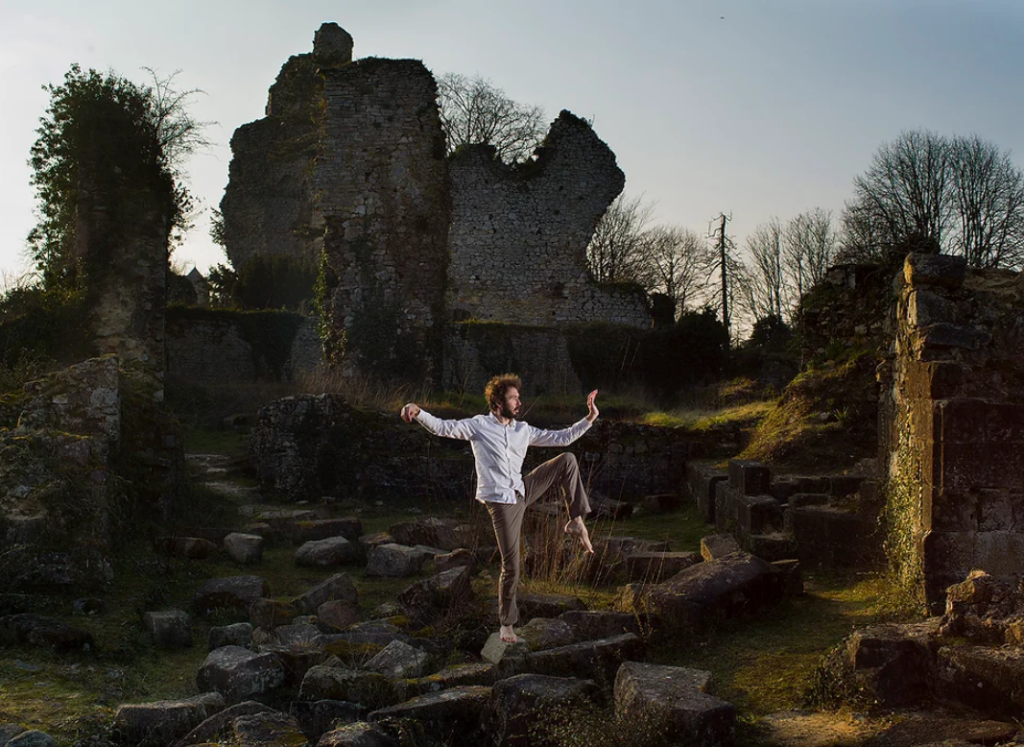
350,164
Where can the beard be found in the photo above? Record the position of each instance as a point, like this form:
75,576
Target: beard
508,412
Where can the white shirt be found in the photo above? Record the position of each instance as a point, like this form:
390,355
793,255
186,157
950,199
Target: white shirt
500,449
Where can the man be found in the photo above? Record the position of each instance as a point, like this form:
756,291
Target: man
499,445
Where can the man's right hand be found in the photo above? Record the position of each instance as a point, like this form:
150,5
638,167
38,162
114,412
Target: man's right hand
410,411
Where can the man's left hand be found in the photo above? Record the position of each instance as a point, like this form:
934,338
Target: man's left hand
592,407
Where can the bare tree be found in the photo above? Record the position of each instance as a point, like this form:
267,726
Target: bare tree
767,293
810,245
962,195
987,201
678,264
905,188
473,110
618,251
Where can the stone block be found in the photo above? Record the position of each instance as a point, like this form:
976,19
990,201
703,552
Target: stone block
238,634
702,480
220,723
271,613
656,566
395,561
318,717
926,307
358,734
326,552
239,674
169,628
716,546
892,664
338,586
937,270
399,660
234,592
160,723
244,548
521,702
545,632
772,547
988,679
757,514
597,660
672,700
547,605
458,713
749,477
842,486
590,625
323,682
338,613
829,537
351,528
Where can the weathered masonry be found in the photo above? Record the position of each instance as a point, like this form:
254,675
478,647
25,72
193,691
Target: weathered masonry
953,423
350,166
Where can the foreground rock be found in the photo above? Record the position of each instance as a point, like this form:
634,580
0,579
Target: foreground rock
221,724
522,701
671,700
160,723
233,593
455,717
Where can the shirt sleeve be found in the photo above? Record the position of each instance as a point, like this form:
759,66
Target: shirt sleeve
460,429
564,437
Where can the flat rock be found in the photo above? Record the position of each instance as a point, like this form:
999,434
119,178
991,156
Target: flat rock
324,682
547,605
458,675
434,532
399,660
338,586
542,632
654,567
596,660
988,679
160,723
674,699
495,649
456,715
232,592
589,625
456,559
273,729
326,552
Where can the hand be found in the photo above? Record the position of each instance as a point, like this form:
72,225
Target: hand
592,407
410,411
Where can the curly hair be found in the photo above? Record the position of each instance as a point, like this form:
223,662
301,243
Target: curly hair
497,387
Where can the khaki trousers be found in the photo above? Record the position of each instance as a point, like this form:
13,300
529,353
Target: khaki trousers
563,471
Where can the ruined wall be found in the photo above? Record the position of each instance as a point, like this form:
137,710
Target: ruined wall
211,347
476,351
269,204
385,205
953,424
519,233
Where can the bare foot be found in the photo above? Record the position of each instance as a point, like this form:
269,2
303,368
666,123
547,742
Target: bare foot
507,634
578,528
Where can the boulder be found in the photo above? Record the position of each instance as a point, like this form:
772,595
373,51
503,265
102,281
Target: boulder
324,682
273,729
447,593
338,613
326,552
220,723
671,700
32,738
158,724
990,680
399,660
721,588
394,561
522,704
272,613
359,734
246,549
456,717
542,632
232,592
434,532
318,716
338,586
547,605
239,674
168,628
237,634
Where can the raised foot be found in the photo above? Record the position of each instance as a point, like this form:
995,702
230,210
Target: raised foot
507,634
579,529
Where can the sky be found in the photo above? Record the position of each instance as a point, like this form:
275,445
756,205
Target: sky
752,108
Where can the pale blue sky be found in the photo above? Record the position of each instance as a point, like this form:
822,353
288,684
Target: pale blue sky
769,111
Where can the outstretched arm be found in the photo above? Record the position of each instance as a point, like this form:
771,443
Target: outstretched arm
460,429
564,437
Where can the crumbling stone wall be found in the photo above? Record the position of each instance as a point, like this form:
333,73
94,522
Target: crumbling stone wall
269,204
385,205
953,424
519,233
